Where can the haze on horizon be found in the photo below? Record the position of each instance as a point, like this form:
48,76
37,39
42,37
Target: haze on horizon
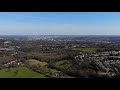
59,23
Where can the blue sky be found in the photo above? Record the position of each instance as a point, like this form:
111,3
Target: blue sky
59,23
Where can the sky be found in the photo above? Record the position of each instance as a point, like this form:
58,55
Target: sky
59,23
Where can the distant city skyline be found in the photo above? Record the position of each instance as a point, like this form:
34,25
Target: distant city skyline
59,23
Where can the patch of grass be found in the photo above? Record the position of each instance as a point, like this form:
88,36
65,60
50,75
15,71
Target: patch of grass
22,72
48,71
86,49
41,66
64,64
33,62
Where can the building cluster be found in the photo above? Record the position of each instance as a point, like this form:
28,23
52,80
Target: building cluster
112,56
105,60
12,64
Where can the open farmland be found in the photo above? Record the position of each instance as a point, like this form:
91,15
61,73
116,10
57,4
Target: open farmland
44,68
33,62
63,64
20,72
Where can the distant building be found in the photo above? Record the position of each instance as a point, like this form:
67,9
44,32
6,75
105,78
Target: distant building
6,49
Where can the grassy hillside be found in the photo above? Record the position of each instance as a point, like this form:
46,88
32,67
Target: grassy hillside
33,62
64,64
20,72
43,67
25,72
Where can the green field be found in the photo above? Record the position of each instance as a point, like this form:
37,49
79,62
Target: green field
20,72
33,62
63,65
86,49
42,66
25,72
48,71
